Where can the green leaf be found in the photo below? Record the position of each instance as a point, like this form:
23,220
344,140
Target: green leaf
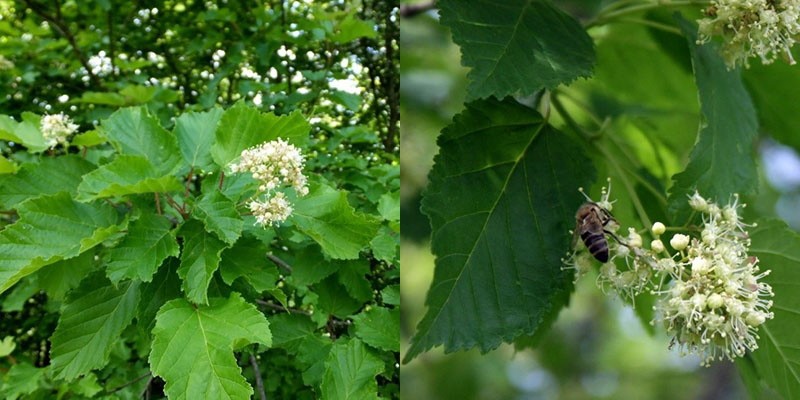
50,176
351,28
501,200
379,327
164,287
21,379
133,131
247,259
313,352
90,138
242,127
61,277
334,298
385,246
149,241
777,359
92,319
126,175
326,216
29,134
7,346
722,162
517,47
391,295
349,100
219,215
770,86
352,277
350,372
389,206
195,134
49,229
310,266
193,347
7,166
199,259
290,330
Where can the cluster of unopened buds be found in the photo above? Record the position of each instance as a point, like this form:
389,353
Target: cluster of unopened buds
56,128
277,165
711,297
763,28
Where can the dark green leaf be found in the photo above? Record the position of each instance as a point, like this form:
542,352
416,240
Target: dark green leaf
391,295
770,86
247,259
195,134
199,259
149,241
326,216
92,319
49,229
517,47
310,266
501,199
126,175
50,176
350,372
777,360
352,277
379,327
722,162
334,300
290,330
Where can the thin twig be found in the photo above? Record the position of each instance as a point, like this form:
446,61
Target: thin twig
281,308
280,262
259,382
158,203
411,10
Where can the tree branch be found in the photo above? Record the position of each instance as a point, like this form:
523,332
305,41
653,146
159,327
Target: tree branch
259,382
280,262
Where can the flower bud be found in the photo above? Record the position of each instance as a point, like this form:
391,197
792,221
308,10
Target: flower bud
698,203
700,266
679,241
755,319
715,301
658,228
634,240
657,246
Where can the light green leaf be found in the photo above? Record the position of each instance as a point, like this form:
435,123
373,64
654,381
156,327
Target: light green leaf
50,176
49,229
326,216
7,166
391,295
199,259
90,138
385,246
777,359
22,379
389,206
219,215
379,327
350,372
195,134
133,131
7,346
517,47
29,134
501,200
351,28
242,127
247,259
92,319
150,240
7,127
349,100
722,161
193,347
126,175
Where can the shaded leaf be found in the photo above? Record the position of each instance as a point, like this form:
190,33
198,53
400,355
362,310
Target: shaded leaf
49,229
722,161
290,330
164,287
199,259
517,47
334,300
352,274
310,266
326,216
193,347
149,241
247,259
350,372
92,319
61,277
501,200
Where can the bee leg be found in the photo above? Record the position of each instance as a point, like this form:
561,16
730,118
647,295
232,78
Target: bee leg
615,237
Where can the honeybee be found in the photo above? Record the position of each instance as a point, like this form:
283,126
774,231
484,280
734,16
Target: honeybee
591,221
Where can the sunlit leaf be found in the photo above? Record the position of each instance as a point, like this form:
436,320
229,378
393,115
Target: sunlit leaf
149,241
50,176
126,175
199,260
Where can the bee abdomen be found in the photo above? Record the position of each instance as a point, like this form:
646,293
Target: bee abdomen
597,245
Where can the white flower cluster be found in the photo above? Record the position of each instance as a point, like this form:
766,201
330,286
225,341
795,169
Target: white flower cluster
763,28
710,297
56,129
276,165
100,64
